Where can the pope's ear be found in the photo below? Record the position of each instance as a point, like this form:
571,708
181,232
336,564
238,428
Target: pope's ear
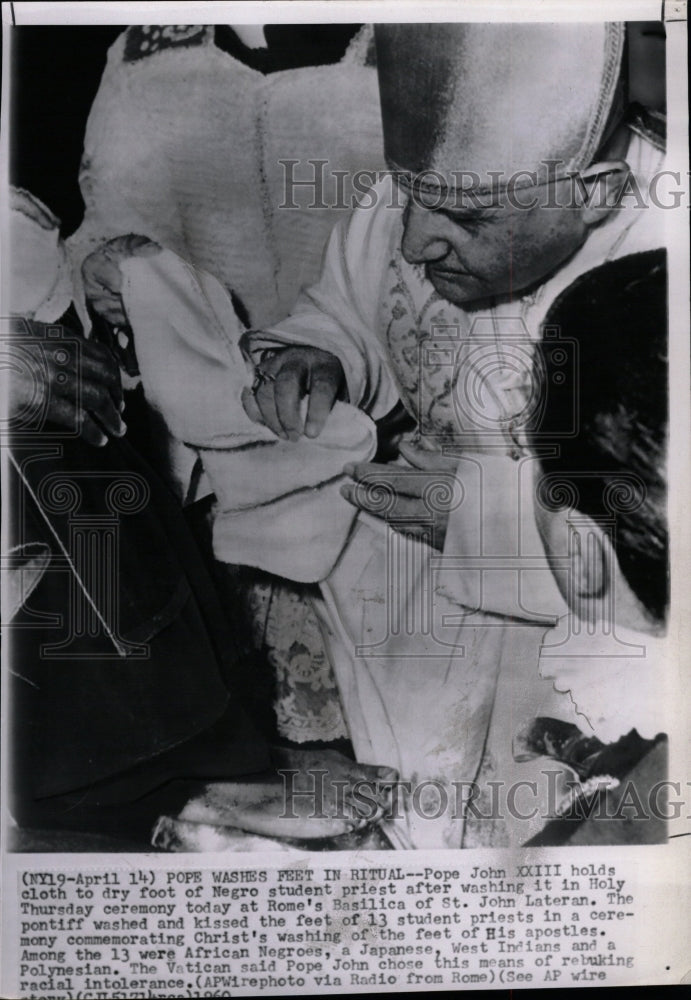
600,187
591,558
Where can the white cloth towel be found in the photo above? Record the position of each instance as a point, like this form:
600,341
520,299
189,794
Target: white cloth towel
279,506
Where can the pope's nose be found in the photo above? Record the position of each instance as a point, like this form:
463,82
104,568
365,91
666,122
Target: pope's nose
427,235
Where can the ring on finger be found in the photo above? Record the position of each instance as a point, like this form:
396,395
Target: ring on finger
260,377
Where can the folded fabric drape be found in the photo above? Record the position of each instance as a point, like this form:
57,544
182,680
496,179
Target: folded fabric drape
278,502
242,174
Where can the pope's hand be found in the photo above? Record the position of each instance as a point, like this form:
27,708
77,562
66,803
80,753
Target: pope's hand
103,278
284,378
416,501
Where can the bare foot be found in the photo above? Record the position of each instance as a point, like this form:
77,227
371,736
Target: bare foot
316,794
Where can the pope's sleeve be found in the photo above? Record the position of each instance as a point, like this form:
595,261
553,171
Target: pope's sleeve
493,558
340,313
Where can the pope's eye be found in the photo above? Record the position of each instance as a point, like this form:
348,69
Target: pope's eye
468,223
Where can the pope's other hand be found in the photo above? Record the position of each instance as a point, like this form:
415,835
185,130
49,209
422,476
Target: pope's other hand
415,499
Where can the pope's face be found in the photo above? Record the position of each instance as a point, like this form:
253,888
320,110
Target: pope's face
478,253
